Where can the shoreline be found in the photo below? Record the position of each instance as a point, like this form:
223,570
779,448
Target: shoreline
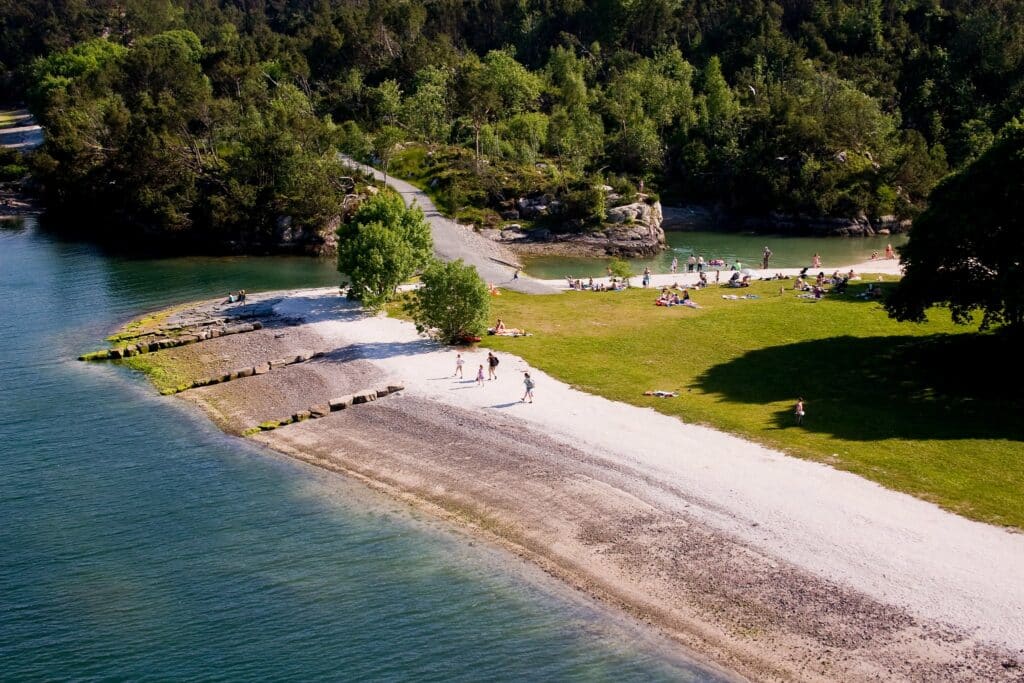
664,542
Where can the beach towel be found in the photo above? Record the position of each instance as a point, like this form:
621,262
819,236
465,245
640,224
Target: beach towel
660,393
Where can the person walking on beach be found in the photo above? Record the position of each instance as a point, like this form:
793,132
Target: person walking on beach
816,261
890,253
458,365
480,376
647,277
515,275
799,412
765,255
691,263
528,394
492,366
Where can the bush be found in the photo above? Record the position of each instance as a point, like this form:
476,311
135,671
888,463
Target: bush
452,303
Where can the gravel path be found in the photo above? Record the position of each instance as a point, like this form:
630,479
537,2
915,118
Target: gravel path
453,241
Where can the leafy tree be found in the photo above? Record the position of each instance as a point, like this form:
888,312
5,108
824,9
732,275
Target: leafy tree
719,108
382,246
427,112
576,135
453,302
385,143
967,249
494,86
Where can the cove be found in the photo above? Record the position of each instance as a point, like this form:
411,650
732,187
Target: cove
787,252
140,543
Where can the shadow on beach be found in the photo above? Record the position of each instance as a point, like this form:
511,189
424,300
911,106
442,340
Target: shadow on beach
875,388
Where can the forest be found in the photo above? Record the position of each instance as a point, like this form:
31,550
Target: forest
219,123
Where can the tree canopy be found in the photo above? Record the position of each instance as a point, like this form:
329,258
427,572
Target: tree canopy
452,303
968,247
382,246
811,108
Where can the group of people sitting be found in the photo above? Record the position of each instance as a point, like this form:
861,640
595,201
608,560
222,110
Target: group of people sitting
670,298
838,282
236,298
614,285
738,280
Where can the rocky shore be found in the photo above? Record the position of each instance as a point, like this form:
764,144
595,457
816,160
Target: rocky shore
630,231
578,485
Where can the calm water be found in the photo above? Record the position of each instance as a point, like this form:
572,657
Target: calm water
137,542
787,252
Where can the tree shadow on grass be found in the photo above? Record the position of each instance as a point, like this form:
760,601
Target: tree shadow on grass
873,388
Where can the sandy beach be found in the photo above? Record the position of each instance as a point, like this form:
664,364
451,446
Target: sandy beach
773,567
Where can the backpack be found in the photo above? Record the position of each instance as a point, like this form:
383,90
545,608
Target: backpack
494,361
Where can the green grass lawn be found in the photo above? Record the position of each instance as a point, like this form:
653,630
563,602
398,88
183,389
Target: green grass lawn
928,409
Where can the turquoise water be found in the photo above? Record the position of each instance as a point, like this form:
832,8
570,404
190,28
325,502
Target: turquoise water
139,543
787,252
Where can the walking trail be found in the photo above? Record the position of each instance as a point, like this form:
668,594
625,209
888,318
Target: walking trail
453,241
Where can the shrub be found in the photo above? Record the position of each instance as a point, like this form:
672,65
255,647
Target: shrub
452,303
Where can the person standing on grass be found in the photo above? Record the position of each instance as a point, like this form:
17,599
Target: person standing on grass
458,365
799,412
480,376
492,366
528,383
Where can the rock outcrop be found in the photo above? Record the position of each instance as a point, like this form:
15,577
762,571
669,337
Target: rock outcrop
630,230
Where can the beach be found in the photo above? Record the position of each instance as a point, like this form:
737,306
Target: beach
772,567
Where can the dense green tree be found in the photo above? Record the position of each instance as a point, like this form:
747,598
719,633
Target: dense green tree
382,246
802,107
967,252
452,303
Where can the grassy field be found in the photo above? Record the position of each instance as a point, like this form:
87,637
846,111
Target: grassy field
927,409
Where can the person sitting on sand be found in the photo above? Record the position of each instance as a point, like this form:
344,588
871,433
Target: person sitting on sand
231,298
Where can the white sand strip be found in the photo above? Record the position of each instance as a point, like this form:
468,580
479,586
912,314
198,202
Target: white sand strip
685,279
896,548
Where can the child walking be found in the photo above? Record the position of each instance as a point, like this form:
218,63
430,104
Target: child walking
458,365
528,383
799,412
480,376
